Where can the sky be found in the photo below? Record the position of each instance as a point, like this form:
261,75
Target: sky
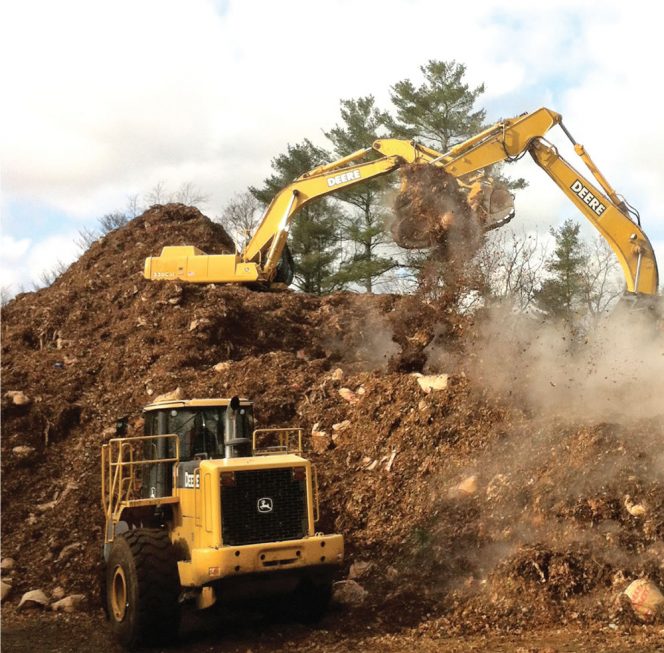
103,101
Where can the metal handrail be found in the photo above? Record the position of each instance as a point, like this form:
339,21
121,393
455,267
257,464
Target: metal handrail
284,441
118,471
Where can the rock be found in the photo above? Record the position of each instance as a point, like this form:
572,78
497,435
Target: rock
7,564
361,391
349,592
68,551
634,509
5,588
69,603
23,451
18,397
465,488
224,366
338,374
359,569
58,593
468,485
433,382
174,395
341,426
33,598
348,395
646,599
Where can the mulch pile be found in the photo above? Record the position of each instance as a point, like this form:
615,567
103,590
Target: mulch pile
476,511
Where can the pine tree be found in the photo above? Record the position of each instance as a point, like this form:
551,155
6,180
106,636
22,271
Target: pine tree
314,237
363,222
441,111
563,294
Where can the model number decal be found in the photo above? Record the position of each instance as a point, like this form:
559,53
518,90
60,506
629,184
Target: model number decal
588,197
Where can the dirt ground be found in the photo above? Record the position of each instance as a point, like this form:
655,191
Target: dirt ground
510,508
339,632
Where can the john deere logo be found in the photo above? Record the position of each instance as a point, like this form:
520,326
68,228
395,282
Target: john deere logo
265,504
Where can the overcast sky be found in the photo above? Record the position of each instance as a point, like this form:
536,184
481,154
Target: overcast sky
103,100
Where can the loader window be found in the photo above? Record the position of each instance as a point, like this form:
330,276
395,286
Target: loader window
201,432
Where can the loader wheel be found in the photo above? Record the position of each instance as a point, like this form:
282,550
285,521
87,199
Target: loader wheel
142,588
311,600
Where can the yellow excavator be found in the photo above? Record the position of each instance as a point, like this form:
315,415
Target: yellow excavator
265,258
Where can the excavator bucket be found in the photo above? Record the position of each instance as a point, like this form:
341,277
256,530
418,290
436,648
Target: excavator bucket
492,202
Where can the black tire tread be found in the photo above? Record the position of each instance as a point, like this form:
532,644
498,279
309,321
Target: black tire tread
157,609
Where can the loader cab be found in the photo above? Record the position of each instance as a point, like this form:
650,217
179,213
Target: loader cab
206,429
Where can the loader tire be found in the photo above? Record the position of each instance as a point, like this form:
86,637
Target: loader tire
142,588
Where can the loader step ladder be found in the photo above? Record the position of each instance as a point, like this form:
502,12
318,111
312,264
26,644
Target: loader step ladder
121,460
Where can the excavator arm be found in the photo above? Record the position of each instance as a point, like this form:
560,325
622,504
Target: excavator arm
602,206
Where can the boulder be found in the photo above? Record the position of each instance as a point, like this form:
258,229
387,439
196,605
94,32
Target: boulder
7,564
18,397
348,395
23,451
32,599
174,395
646,599
432,382
69,603
359,569
349,592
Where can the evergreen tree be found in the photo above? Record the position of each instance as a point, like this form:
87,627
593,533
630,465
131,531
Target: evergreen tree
314,238
363,224
440,112
563,294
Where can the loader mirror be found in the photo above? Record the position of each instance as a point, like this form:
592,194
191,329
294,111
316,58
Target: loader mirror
234,403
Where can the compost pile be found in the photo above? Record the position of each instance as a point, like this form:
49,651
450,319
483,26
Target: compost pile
469,508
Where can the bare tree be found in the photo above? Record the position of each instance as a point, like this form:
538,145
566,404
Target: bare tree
510,265
85,238
7,294
47,277
190,195
601,279
112,221
157,194
240,217
134,207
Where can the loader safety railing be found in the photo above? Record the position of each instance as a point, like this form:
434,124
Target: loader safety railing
121,458
266,442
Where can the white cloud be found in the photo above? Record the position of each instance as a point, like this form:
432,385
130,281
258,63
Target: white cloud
23,262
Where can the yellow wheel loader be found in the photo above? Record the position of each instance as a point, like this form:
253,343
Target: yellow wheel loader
205,508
